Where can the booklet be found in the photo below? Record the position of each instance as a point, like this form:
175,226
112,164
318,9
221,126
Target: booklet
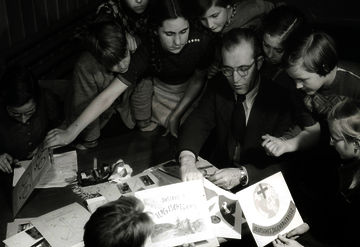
64,226
180,213
269,209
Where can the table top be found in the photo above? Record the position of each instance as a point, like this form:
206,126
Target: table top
140,150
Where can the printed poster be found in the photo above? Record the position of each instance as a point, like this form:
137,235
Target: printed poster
180,213
225,211
269,209
40,163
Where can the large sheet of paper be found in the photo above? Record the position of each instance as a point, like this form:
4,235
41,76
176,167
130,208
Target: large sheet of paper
64,226
40,163
62,172
179,212
225,211
269,209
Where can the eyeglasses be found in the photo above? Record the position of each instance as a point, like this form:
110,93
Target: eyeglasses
242,70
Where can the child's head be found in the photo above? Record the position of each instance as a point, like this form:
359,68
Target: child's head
106,41
20,93
138,6
309,60
344,124
119,223
171,24
213,14
278,25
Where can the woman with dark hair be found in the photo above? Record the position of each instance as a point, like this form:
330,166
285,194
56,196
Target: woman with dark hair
175,58
179,55
131,14
23,119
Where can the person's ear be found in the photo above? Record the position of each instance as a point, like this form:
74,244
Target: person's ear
259,62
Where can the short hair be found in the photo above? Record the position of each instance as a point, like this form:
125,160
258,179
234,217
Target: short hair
18,86
345,119
237,35
106,41
284,21
315,50
199,7
119,223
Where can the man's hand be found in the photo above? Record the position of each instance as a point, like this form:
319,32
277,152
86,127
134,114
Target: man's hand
282,241
5,162
226,178
275,146
188,168
57,138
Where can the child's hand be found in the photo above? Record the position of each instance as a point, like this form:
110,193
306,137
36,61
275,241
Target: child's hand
282,241
274,146
298,231
5,162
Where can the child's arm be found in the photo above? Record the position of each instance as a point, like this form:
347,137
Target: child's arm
103,101
196,83
308,137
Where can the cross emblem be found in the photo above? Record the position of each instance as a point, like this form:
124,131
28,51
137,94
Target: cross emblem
262,191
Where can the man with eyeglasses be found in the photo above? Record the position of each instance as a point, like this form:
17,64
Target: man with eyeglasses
240,107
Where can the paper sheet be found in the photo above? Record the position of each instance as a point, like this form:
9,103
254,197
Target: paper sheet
269,209
64,226
225,211
179,212
26,238
62,172
17,226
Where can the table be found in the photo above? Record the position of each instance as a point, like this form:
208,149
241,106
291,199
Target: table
140,150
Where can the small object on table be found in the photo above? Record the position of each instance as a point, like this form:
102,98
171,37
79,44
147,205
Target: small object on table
120,171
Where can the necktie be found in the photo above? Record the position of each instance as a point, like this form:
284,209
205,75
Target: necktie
238,124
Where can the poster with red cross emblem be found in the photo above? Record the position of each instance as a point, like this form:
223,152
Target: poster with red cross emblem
269,209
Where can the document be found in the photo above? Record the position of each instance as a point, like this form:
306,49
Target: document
62,173
64,226
225,211
180,213
39,165
269,209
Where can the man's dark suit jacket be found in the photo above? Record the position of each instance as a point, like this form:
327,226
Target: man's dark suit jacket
271,113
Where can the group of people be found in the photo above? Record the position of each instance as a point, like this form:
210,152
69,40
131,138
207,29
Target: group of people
248,84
